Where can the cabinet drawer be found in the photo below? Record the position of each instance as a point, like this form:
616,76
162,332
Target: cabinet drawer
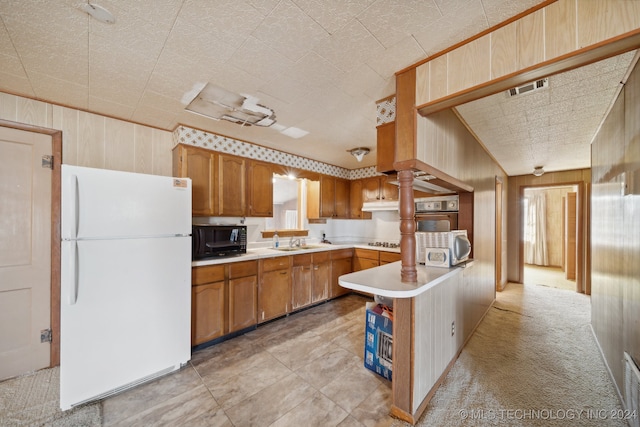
389,257
342,253
243,269
367,253
319,257
301,259
277,263
207,274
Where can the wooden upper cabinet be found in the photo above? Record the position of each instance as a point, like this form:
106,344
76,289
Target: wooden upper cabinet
231,184
341,198
197,164
355,200
260,189
327,196
386,139
377,188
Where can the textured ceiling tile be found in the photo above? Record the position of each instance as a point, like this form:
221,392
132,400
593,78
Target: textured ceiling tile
392,20
47,87
6,46
260,60
349,47
161,13
153,116
160,102
407,51
264,6
191,41
231,21
286,88
10,64
361,80
459,24
333,14
317,71
290,31
499,11
56,65
15,84
110,108
135,35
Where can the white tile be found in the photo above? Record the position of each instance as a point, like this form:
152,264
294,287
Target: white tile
349,47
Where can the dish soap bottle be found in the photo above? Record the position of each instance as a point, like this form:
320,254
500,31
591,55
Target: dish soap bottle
276,240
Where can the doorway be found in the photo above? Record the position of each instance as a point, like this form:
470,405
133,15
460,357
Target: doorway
551,252
29,248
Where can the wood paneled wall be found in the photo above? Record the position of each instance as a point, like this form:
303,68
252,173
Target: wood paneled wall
93,140
615,238
445,143
558,29
515,213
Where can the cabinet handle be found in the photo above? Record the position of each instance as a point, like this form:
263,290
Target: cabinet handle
283,272
315,268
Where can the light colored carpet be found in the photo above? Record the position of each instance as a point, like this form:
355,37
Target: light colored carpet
532,361
33,400
552,277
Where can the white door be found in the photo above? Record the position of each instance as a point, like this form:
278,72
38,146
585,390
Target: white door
25,251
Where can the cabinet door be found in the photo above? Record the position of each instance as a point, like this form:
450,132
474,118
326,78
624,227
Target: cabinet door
371,189
243,303
387,257
321,277
338,268
388,191
207,317
260,183
386,141
199,165
231,186
341,198
300,286
327,196
360,264
274,295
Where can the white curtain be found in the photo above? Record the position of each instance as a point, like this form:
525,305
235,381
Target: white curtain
291,219
535,230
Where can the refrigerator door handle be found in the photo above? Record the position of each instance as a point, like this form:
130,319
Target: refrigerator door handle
71,272
71,212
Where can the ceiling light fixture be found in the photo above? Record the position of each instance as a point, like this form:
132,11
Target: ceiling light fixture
359,152
99,13
538,171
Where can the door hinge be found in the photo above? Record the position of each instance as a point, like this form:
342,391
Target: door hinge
45,335
47,162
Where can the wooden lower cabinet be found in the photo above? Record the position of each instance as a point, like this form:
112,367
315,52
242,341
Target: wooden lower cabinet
223,300
301,280
387,257
243,295
207,303
320,276
274,289
365,258
341,261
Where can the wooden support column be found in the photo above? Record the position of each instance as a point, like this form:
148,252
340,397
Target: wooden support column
408,273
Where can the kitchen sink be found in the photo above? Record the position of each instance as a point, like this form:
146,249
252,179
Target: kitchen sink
298,248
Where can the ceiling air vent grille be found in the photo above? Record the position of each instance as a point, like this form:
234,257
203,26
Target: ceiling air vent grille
529,87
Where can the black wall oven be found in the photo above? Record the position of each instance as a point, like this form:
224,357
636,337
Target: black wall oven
213,241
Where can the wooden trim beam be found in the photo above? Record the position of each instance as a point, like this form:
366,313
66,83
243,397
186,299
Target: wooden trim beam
570,61
441,179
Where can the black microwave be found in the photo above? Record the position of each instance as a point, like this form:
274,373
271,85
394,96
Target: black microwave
213,241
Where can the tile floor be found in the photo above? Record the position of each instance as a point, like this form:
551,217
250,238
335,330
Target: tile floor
305,369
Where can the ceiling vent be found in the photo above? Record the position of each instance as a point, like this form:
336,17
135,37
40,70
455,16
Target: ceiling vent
529,87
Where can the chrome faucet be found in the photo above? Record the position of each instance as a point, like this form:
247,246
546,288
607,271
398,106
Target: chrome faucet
294,242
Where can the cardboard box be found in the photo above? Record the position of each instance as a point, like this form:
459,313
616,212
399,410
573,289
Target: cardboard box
378,346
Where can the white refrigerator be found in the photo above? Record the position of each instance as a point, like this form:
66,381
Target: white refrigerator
125,281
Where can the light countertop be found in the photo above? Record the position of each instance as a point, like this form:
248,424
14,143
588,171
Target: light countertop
385,280
258,253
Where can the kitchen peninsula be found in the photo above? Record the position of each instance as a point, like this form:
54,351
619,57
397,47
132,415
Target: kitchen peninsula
430,326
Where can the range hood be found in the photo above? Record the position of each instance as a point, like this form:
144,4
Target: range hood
381,205
421,183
